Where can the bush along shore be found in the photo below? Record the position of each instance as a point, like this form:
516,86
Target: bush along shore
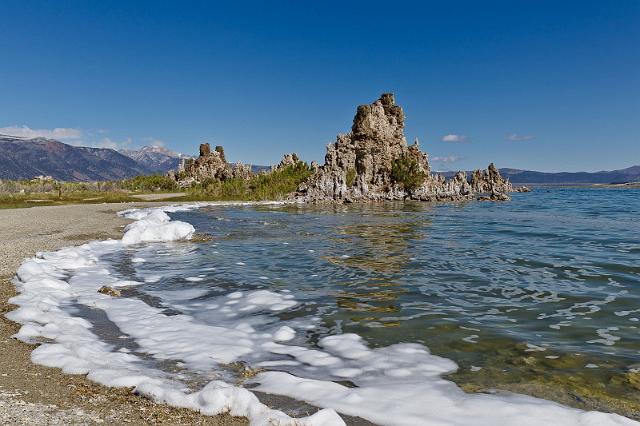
276,184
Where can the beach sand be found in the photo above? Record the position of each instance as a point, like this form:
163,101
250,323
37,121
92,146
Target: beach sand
32,394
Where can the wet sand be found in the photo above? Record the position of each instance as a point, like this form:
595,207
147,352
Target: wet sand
32,394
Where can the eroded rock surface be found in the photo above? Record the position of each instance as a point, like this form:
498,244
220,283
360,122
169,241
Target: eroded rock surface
374,162
287,160
210,165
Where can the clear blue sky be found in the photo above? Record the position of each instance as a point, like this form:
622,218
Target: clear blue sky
545,85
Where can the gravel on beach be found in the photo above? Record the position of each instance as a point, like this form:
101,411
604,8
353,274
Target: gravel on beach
33,394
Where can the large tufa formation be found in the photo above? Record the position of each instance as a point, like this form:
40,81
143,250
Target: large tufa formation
374,162
210,165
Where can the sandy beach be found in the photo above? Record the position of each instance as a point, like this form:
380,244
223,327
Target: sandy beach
32,394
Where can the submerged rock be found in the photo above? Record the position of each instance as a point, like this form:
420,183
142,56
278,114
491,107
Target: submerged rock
199,237
109,291
374,162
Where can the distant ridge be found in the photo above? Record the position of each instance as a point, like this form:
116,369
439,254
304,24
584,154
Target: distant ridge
517,176
22,158
25,158
630,174
155,158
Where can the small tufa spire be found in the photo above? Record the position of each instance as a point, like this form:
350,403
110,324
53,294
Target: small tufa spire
388,99
205,149
220,150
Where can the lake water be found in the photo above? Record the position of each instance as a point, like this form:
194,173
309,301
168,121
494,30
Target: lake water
556,269
540,295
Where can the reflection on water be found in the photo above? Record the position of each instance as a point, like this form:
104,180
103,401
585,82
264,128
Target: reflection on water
383,252
538,295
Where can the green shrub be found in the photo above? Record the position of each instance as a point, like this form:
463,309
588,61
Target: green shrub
405,171
279,183
274,185
149,183
215,189
351,177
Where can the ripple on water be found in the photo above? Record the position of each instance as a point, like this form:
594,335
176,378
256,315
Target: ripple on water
545,272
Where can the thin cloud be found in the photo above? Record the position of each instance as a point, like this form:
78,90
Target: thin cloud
110,143
154,142
72,136
446,159
514,137
27,132
452,137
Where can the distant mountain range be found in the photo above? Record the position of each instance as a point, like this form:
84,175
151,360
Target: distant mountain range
517,176
155,158
25,158
630,174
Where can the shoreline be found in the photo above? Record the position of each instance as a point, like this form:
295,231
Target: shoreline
83,401
33,394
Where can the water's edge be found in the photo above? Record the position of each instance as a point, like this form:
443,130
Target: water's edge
51,280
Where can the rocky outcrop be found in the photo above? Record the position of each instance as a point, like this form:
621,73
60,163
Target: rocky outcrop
374,162
287,160
210,165
490,181
241,170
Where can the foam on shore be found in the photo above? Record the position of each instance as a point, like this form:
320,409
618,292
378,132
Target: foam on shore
395,385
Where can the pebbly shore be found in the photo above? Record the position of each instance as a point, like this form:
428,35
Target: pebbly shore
33,394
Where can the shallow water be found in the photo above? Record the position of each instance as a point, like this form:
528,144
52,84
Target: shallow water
552,276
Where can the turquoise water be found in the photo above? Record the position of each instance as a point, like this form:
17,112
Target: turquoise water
553,272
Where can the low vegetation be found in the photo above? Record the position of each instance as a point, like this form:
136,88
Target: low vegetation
22,200
275,185
351,177
153,183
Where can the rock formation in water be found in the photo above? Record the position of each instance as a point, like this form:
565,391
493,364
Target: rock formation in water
374,162
210,165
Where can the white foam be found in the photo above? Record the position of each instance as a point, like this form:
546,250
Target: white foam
284,334
76,350
156,226
534,348
607,338
402,385
396,385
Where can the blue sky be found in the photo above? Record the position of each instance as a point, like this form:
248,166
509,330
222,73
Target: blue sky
545,85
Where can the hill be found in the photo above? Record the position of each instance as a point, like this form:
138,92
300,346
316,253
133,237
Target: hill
630,174
155,158
517,176
26,158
